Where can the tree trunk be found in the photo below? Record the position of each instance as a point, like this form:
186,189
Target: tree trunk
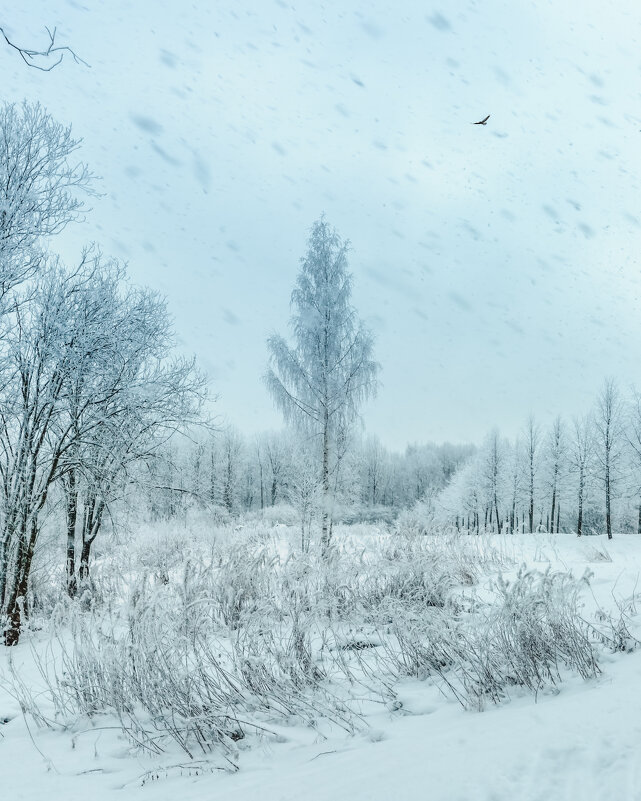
4,564
83,573
579,525
608,508
18,594
326,532
71,491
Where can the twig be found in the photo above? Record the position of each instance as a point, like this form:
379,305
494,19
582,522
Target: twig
29,56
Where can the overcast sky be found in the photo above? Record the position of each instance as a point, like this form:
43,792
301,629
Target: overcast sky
497,265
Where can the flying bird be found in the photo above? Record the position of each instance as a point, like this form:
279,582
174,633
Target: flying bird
482,122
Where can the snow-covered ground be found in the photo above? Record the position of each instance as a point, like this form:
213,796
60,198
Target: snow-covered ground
580,741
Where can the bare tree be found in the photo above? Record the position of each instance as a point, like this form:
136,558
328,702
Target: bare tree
320,383
42,349
556,450
86,390
232,454
492,475
374,459
608,423
532,437
275,449
125,401
515,481
304,493
581,452
634,439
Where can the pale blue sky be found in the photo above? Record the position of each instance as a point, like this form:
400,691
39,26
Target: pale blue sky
497,265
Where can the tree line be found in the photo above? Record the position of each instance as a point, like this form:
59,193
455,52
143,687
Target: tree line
582,475
228,474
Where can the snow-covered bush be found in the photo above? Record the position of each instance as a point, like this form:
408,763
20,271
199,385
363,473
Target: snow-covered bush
420,519
525,636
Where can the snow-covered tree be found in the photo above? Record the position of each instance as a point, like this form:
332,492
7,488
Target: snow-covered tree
320,381
609,430
493,466
531,439
555,458
41,184
580,456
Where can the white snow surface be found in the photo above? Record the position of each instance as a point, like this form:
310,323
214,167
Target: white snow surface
582,743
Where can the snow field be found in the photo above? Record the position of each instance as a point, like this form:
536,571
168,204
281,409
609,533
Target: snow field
295,679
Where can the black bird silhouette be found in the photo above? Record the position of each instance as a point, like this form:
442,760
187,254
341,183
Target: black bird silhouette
482,122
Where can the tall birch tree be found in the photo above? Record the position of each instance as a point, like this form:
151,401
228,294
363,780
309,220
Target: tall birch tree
320,382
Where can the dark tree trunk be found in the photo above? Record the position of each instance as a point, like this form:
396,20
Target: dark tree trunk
579,524
227,492
326,530
17,597
608,505
71,491
85,553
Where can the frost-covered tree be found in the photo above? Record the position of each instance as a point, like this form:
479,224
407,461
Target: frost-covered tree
320,381
48,343
634,439
513,480
304,492
609,429
86,390
126,397
492,475
40,187
374,460
232,468
580,454
556,453
274,447
531,439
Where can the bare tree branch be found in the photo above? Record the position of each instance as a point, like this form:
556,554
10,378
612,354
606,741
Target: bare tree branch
52,53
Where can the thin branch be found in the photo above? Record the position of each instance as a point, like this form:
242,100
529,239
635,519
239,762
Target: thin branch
52,50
